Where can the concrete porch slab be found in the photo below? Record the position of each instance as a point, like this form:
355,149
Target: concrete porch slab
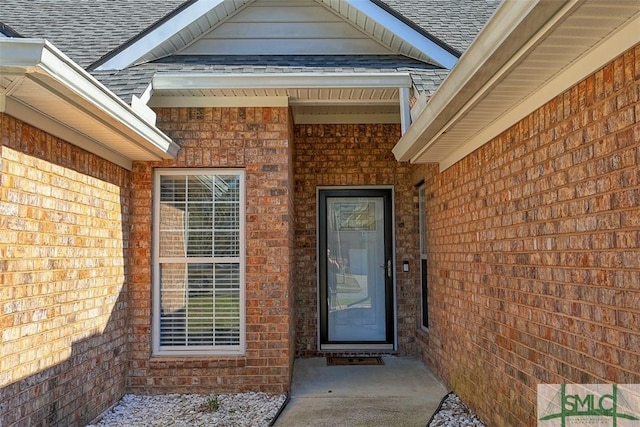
402,392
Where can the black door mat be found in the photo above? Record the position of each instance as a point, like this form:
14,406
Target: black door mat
345,361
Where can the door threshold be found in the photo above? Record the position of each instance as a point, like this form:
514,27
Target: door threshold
356,347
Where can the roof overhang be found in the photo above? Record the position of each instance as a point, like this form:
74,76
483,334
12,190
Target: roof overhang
527,54
41,86
314,97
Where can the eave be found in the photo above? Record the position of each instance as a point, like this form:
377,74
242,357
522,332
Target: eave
528,53
313,97
41,86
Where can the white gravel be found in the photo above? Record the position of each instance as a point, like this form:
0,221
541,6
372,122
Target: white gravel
236,410
177,410
453,413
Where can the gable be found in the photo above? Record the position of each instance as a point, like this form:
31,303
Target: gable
270,27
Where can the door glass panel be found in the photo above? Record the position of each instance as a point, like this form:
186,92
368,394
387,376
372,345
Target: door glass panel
356,269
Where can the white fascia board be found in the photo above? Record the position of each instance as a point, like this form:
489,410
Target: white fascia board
159,35
142,109
140,105
405,109
201,81
624,39
428,47
83,90
438,114
19,54
147,94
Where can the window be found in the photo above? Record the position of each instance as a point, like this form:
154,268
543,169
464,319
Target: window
198,289
422,206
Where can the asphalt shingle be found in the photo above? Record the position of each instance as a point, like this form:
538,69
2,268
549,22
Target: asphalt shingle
134,80
455,22
84,30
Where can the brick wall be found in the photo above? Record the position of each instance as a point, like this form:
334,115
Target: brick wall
351,155
63,215
257,140
290,218
533,252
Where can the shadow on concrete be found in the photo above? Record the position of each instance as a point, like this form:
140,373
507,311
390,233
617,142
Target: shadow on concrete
400,393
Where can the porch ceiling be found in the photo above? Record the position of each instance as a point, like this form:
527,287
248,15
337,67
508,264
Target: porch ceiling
528,53
314,97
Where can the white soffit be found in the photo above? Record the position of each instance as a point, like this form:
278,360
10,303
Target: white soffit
203,81
573,40
43,87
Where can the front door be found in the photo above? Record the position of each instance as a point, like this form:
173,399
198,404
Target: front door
356,269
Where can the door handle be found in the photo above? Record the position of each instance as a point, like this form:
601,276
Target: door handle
387,268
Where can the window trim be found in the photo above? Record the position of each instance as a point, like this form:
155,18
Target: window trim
238,350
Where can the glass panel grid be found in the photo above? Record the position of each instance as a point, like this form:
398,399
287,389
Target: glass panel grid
200,300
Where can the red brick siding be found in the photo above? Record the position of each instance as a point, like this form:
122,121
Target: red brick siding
533,251
63,243
351,155
257,140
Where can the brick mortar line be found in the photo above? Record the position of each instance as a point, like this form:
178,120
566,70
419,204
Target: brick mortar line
615,328
529,362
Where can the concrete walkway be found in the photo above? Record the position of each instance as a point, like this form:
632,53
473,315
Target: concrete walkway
401,393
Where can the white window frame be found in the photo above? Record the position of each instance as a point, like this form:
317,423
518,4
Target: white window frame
181,351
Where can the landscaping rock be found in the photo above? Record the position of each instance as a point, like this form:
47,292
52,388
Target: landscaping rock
453,413
186,410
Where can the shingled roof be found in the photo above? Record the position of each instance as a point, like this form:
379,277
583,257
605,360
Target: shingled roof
86,30
134,80
455,22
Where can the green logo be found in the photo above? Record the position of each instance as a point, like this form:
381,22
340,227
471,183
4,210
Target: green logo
588,405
